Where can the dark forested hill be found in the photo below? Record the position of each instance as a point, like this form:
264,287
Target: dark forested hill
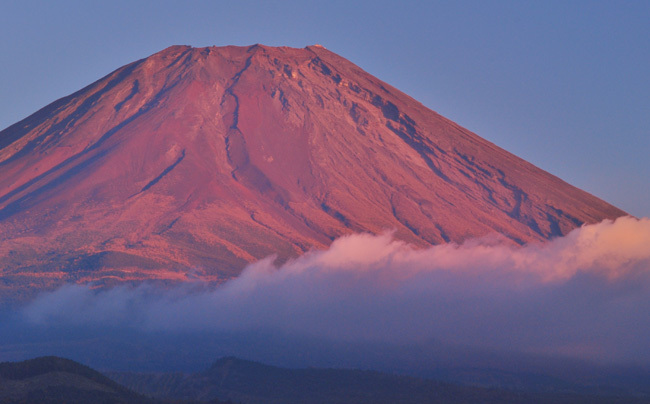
53,380
231,380
57,380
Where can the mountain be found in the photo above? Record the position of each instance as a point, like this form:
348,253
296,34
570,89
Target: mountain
193,162
255,383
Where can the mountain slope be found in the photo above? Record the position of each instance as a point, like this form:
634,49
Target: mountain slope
195,161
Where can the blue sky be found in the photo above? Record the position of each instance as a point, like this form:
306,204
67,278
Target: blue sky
563,84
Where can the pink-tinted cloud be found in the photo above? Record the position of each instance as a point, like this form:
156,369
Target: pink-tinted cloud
585,295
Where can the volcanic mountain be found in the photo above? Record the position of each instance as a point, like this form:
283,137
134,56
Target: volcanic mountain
194,162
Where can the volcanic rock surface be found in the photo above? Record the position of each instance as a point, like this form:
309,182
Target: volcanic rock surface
193,162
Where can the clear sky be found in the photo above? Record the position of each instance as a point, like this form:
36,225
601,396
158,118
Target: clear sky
563,84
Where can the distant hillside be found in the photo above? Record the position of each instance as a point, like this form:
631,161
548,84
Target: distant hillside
57,380
50,380
254,383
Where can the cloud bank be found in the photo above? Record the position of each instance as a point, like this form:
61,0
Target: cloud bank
586,295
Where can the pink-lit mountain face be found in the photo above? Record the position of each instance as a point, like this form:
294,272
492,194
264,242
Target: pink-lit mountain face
194,162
